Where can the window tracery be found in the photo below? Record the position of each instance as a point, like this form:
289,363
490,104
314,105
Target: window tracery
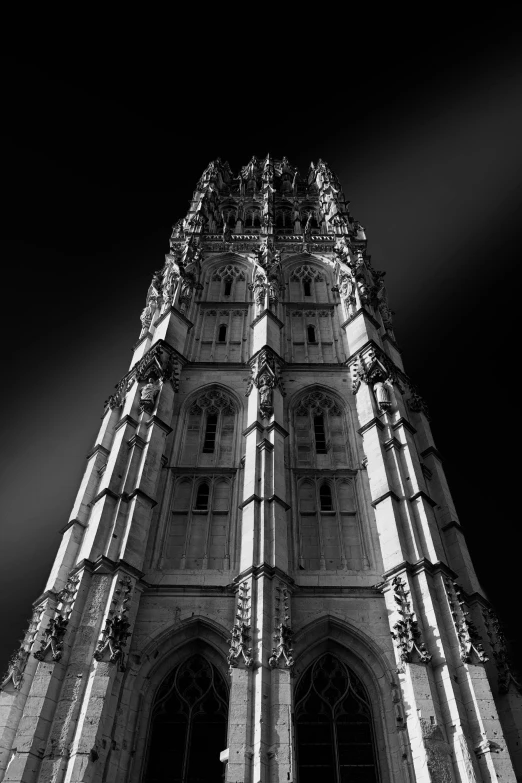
334,731
330,538
190,712
199,531
321,439
209,430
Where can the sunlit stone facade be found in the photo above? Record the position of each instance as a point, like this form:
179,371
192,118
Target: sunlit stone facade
263,575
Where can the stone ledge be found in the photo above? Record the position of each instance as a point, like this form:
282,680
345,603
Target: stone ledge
160,423
362,311
454,524
267,313
277,427
389,494
419,567
375,422
263,569
402,422
424,496
251,427
176,312
254,497
277,499
126,420
70,523
98,449
431,451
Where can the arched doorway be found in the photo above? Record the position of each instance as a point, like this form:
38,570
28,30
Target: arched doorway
188,727
334,731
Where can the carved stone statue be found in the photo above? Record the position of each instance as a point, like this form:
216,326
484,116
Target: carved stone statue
171,275
147,313
148,395
265,385
258,287
382,396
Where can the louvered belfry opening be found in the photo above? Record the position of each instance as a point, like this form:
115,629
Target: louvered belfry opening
188,728
334,732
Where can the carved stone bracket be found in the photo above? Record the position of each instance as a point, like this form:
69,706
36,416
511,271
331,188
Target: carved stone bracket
469,640
506,676
406,634
18,660
52,641
282,650
240,652
114,635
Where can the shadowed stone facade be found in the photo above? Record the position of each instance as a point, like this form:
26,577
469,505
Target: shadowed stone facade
263,562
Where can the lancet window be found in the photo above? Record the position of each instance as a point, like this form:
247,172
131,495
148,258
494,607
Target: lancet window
227,282
334,728
320,433
330,537
208,437
308,283
189,725
220,335
284,222
252,220
199,531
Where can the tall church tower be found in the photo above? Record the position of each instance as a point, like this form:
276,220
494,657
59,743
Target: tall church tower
263,576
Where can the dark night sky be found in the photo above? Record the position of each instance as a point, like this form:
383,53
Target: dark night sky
101,151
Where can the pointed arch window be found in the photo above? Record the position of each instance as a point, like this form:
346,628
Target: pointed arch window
202,497
210,434
228,287
321,438
189,715
334,728
325,497
222,333
307,285
208,437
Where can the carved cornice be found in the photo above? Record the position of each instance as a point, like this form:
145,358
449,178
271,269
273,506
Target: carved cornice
264,569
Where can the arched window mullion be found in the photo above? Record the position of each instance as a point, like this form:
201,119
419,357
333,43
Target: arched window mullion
322,559
337,507
189,525
211,484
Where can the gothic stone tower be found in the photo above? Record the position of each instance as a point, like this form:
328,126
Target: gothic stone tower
263,575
